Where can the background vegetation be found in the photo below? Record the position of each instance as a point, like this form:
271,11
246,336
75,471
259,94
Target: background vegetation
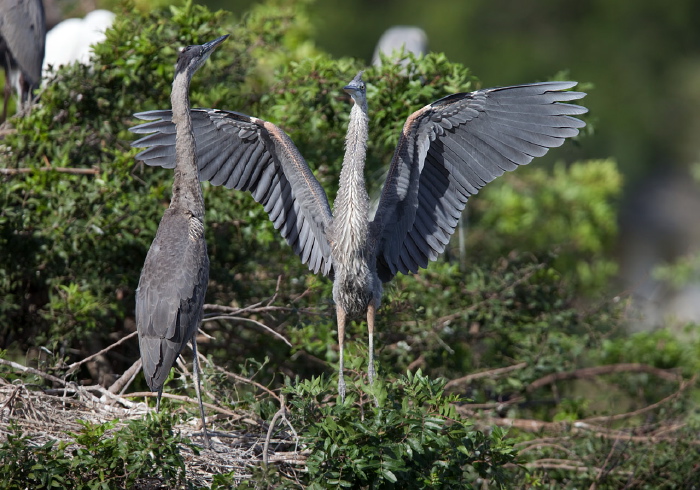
521,320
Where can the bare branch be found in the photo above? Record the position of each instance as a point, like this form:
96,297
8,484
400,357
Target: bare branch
290,458
567,465
257,308
186,399
492,405
255,322
125,379
491,373
600,370
609,418
281,413
33,371
530,425
61,170
541,445
72,368
249,381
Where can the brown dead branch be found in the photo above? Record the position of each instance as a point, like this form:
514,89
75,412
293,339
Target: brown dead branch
492,405
36,372
290,458
491,373
125,379
601,370
73,367
61,170
281,413
567,465
579,427
551,445
186,399
610,418
419,361
250,320
249,381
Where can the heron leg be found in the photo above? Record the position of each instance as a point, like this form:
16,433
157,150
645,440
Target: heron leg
195,367
341,316
160,393
7,94
371,373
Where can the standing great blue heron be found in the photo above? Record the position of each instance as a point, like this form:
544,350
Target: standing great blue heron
175,275
448,150
22,41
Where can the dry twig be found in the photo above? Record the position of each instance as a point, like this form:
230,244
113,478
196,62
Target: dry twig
61,170
281,413
491,373
600,370
73,367
249,381
610,418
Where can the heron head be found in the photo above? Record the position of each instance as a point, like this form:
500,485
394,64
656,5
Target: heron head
193,57
356,89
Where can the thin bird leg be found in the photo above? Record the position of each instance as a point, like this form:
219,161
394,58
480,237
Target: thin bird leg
371,310
340,315
195,366
8,94
160,393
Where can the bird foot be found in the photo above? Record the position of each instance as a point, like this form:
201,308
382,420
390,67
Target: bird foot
371,373
207,441
341,387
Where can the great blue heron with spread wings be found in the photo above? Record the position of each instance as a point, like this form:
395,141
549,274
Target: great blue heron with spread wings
447,151
174,278
22,43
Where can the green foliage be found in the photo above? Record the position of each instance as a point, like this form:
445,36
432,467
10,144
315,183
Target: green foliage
612,465
98,457
22,464
74,244
413,440
659,348
569,209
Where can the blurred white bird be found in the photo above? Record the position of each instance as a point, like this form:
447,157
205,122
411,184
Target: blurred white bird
72,39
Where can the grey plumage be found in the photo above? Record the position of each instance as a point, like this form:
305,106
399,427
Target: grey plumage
448,150
22,44
175,275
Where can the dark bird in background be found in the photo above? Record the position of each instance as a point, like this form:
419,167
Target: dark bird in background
174,278
447,151
22,42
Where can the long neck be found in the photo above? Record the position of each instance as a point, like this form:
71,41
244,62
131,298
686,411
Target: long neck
351,207
187,192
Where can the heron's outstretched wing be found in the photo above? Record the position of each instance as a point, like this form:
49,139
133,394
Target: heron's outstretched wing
23,28
249,154
449,150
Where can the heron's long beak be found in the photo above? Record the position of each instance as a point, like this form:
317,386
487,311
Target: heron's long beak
354,84
211,45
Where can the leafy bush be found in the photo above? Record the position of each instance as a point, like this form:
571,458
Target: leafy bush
103,458
414,439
